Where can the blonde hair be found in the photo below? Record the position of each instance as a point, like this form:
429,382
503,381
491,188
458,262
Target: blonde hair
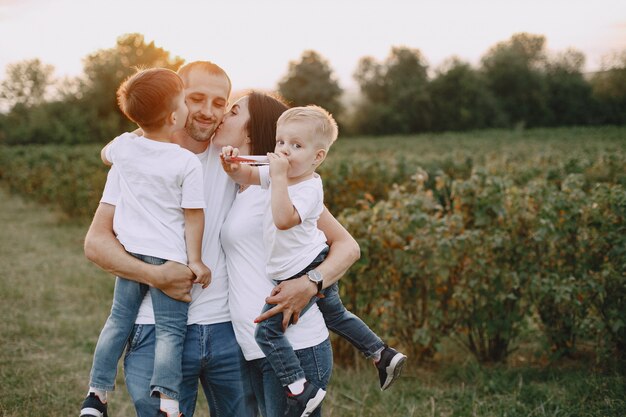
323,125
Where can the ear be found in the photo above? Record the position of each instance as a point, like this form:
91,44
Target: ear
172,118
319,156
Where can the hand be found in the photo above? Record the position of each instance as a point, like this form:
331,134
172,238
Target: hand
227,153
175,280
279,165
202,273
290,298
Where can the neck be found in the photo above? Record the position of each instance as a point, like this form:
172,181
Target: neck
159,135
300,178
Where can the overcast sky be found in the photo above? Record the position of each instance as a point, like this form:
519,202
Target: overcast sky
254,40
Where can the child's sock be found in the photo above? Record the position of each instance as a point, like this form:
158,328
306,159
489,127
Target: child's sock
170,406
297,387
99,393
376,355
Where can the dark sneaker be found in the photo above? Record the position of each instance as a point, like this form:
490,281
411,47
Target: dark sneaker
305,403
164,414
389,366
93,407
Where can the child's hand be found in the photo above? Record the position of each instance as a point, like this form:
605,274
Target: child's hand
227,153
279,165
202,273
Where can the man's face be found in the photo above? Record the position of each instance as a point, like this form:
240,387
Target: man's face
206,96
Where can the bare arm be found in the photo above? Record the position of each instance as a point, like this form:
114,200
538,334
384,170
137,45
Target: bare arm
293,295
103,154
241,174
284,213
103,249
194,228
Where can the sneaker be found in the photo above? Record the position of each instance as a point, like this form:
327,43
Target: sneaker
162,413
389,366
93,407
306,402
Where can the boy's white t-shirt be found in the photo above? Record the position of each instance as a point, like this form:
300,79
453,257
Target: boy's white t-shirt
290,251
209,305
157,181
242,240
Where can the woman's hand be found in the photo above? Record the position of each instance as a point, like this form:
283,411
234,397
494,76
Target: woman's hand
227,153
290,297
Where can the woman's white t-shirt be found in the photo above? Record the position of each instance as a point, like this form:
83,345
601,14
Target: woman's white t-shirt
242,239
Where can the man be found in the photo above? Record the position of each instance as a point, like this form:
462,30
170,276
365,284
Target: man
211,354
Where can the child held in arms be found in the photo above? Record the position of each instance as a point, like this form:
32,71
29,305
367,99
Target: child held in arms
296,247
158,217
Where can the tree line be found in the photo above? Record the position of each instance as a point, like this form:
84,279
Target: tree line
517,84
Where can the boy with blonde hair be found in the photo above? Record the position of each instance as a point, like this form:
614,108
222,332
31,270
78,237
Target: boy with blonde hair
296,247
158,217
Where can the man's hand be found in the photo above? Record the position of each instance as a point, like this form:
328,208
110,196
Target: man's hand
290,298
202,273
175,280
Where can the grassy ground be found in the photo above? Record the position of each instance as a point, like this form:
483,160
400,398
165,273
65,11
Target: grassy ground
53,303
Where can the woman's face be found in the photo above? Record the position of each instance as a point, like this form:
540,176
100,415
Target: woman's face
233,131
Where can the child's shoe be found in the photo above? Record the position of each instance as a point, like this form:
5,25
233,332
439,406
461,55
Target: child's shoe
164,414
93,407
389,366
306,402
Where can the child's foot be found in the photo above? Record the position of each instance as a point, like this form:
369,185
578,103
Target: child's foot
306,402
93,407
389,366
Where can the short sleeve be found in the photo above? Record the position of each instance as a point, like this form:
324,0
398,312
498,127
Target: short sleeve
264,176
111,192
193,185
308,200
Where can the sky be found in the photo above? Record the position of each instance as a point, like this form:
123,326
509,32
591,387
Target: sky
254,40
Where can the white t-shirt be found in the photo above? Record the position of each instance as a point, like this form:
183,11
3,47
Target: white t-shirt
157,181
248,283
290,251
209,305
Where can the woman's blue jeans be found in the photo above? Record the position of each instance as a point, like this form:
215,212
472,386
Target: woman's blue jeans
264,391
171,324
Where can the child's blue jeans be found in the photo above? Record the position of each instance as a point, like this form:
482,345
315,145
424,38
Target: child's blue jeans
170,323
271,339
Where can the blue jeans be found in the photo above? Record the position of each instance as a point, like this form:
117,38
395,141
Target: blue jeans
264,390
271,339
211,356
171,324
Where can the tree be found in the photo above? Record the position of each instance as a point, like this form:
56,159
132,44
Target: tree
461,99
311,81
568,93
107,68
396,98
609,88
513,70
26,83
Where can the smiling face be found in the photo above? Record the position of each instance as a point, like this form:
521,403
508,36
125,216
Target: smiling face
206,96
233,130
296,141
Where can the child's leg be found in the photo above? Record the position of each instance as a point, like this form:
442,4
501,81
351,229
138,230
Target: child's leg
114,335
171,326
347,325
271,339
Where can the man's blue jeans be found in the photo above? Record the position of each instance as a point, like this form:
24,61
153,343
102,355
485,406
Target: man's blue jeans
211,355
171,323
264,390
271,339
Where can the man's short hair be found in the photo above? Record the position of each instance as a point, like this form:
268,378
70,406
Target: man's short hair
149,96
206,66
323,125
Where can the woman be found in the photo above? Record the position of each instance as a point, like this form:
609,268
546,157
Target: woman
251,126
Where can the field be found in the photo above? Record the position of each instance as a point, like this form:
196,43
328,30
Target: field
54,302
